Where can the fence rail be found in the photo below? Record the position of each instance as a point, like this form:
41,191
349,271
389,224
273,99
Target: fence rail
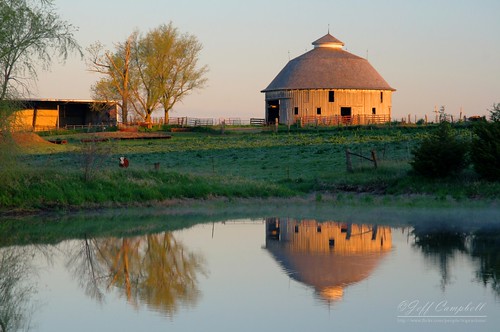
206,122
337,120
89,127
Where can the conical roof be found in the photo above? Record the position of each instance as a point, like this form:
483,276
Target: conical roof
328,41
328,66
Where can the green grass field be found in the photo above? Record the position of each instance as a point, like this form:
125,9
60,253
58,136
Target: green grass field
207,164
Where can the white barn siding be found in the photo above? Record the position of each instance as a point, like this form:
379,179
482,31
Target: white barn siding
361,102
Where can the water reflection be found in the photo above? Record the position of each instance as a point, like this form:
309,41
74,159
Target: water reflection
327,256
155,269
161,273
442,243
485,247
16,289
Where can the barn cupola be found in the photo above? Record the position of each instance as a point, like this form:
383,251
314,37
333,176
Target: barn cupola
328,41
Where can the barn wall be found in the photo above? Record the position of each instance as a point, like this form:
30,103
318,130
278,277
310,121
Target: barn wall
45,120
362,102
67,113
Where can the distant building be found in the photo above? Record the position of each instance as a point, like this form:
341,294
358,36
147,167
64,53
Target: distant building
48,114
328,85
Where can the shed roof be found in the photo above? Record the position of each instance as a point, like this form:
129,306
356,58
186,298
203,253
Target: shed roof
328,66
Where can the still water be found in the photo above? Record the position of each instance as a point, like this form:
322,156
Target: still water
266,274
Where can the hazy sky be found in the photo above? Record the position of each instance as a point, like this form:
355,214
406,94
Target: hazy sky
434,52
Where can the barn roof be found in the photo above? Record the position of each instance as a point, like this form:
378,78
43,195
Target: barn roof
328,66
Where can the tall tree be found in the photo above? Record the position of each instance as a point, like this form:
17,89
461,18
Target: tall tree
147,62
31,32
162,69
116,83
182,74
170,67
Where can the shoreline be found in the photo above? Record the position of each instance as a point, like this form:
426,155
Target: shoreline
333,201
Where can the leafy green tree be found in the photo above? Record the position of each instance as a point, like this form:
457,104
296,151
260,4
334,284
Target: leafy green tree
161,69
31,32
495,113
485,150
441,154
179,74
443,117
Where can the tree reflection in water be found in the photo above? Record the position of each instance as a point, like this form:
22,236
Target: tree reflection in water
16,307
485,246
441,243
156,270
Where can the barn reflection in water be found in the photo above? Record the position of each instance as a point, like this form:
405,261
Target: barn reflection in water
328,256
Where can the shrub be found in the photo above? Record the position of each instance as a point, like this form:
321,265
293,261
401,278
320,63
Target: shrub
441,154
485,150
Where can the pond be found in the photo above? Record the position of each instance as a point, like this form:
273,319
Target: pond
255,274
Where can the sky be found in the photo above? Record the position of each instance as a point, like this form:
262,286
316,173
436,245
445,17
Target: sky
434,53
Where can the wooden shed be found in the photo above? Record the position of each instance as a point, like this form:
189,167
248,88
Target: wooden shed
329,86
48,114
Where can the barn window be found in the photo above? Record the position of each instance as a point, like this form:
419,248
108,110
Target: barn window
318,111
296,111
331,96
381,96
374,110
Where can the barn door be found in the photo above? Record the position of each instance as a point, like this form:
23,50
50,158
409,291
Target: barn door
346,114
273,111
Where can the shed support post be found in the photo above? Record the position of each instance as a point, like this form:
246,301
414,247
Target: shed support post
35,113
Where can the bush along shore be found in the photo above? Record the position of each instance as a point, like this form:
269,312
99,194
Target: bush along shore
366,162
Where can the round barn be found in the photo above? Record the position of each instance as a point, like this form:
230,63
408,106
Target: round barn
328,86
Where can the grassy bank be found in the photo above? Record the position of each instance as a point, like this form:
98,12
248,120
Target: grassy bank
207,164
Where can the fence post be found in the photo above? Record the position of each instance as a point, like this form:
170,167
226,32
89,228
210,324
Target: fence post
374,158
348,160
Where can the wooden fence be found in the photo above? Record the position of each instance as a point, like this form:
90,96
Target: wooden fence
207,122
338,120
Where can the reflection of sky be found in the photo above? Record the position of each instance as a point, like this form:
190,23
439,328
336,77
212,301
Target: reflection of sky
245,289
